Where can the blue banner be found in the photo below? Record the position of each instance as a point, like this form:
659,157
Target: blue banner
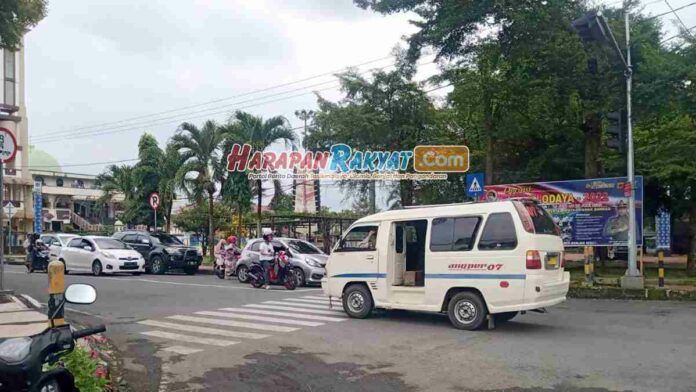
38,213
589,212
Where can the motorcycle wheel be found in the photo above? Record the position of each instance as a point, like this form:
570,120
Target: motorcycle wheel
220,272
290,282
255,283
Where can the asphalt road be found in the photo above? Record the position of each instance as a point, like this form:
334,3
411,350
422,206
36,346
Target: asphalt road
190,333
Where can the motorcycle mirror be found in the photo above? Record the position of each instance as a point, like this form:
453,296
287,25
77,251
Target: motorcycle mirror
80,294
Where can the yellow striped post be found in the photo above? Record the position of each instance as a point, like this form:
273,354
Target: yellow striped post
661,269
589,267
56,293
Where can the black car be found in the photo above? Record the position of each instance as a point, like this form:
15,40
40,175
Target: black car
162,252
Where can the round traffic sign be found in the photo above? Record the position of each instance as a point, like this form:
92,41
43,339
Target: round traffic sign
8,145
154,200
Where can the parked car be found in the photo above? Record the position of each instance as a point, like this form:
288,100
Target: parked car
306,260
162,252
56,242
100,255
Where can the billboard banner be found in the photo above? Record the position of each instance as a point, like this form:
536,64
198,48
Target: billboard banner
589,212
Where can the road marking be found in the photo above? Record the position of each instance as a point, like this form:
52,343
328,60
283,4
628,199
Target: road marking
232,323
261,318
182,350
22,317
322,298
189,338
307,301
326,307
284,314
294,309
204,330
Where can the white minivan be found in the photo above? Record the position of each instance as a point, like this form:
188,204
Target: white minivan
476,261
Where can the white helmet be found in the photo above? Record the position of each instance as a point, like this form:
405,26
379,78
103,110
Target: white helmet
266,231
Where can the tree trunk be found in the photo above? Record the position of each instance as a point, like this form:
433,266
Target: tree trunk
592,128
211,229
691,257
258,208
169,215
406,192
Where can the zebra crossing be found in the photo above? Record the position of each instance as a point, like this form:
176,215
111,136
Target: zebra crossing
186,334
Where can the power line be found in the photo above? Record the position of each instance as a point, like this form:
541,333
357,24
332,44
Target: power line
220,99
206,112
677,35
679,19
671,11
79,164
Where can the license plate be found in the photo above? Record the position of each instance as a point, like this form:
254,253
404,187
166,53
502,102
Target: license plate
553,261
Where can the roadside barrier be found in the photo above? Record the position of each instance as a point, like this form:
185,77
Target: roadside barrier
589,265
661,269
56,293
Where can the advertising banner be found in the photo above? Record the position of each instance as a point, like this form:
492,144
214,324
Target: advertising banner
589,212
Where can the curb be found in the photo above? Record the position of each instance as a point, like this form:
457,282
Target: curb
619,293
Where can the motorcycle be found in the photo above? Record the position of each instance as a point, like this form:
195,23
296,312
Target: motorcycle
38,260
280,272
228,261
22,359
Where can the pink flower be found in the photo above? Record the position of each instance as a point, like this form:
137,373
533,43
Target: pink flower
100,372
93,354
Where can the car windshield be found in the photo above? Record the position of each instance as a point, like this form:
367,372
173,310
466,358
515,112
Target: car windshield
65,238
166,239
304,248
110,243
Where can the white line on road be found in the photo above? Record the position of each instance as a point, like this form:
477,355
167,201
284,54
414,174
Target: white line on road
294,309
307,301
260,318
285,314
326,307
233,323
31,300
181,350
204,330
322,298
189,338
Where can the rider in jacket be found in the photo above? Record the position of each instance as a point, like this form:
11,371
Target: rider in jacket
266,254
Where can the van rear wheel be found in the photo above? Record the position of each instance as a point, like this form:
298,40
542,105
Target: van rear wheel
466,311
357,301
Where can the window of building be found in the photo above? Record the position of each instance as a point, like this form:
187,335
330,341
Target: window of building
454,234
499,233
59,182
41,179
9,78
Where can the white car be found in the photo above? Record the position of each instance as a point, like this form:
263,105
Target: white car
56,242
101,255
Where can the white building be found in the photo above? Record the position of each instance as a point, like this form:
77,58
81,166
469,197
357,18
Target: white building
13,116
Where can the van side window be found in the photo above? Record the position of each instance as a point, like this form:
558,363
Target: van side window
362,238
499,233
453,234
255,246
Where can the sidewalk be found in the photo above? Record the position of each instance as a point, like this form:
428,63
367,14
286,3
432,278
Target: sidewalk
18,318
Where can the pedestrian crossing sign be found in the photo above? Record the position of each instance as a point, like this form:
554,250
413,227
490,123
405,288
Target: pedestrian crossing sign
474,185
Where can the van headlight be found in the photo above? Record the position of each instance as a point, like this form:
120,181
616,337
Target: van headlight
312,262
15,350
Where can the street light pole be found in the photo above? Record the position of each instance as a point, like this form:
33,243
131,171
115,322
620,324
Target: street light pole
632,270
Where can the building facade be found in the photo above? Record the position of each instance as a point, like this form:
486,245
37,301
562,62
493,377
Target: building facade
18,211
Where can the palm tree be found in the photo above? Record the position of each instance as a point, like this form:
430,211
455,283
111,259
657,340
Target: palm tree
118,179
260,134
168,170
199,149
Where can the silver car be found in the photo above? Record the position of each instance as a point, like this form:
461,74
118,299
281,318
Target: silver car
306,260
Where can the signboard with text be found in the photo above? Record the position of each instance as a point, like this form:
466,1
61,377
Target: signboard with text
589,212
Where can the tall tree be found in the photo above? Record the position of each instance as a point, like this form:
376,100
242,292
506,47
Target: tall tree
16,18
260,134
199,149
171,163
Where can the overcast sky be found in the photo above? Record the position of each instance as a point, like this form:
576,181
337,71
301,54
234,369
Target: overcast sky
89,64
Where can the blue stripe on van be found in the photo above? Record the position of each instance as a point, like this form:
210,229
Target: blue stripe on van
360,275
476,276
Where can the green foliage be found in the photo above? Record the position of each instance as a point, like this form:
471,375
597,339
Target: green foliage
195,218
84,369
16,17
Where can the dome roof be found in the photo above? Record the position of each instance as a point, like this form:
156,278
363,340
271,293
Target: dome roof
41,160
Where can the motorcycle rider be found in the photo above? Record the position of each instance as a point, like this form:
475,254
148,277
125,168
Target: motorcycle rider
219,253
231,252
266,254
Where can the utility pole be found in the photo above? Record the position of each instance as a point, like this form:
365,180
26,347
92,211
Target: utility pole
305,115
594,27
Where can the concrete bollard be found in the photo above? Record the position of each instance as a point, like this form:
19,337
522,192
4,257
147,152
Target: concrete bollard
56,294
661,269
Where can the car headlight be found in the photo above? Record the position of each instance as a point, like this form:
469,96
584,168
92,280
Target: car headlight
313,262
15,350
171,250
109,255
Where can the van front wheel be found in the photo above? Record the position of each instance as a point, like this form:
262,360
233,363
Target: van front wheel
466,311
357,301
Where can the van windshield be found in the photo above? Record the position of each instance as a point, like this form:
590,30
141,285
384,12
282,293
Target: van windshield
541,219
